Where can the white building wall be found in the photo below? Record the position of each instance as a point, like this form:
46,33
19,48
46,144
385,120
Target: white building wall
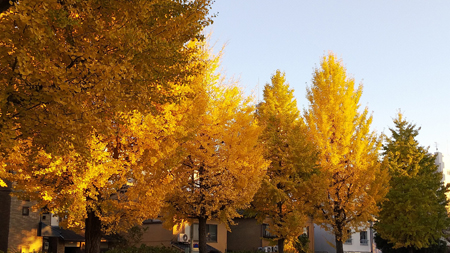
324,242
357,245
440,161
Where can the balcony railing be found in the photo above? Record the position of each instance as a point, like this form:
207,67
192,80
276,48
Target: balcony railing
364,242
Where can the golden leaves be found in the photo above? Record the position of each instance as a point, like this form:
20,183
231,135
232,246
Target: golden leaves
96,99
222,162
348,151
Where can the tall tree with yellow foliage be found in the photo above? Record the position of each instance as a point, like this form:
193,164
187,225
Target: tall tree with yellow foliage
119,181
70,67
92,95
223,163
354,181
284,191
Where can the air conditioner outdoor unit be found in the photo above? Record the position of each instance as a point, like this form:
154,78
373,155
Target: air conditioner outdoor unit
183,237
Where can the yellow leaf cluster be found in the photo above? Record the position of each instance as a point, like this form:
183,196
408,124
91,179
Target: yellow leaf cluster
93,102
285,189
222,164
348,150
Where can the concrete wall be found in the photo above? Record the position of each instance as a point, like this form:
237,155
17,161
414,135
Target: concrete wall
156,235
252,239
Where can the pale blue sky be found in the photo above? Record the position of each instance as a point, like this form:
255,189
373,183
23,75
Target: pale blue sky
399,50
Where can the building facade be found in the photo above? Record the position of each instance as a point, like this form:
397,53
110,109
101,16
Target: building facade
359,242
249,235
19,224
26,229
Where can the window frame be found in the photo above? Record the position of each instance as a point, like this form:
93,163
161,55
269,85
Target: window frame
212,238
363,241
25,211
266,233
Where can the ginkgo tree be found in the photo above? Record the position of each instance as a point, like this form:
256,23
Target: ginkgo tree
353,179
222,164
285,190
120,182
70,67
92,95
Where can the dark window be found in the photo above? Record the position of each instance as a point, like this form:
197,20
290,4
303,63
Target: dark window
363,238
211,232
266,233
25,211
349,240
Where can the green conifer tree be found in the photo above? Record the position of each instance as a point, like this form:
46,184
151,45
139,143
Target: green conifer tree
414,215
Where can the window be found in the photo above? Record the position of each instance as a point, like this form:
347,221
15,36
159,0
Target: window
211,232
25,211
305,232
266,233
349,240
363,238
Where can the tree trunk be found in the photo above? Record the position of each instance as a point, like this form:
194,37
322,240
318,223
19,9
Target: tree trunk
93,234
202,247
339,245
281,245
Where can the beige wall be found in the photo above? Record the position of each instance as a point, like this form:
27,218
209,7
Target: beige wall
156,235
247,235
23,229
221,243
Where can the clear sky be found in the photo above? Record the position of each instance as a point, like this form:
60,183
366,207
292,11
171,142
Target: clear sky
399,50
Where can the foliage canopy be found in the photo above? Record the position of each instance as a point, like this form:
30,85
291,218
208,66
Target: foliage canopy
222,163
285,188
70,68
92,102
354,181
415,215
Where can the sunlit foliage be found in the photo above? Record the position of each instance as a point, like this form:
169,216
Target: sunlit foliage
285,188
67,67
223,163
92,102
348,151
